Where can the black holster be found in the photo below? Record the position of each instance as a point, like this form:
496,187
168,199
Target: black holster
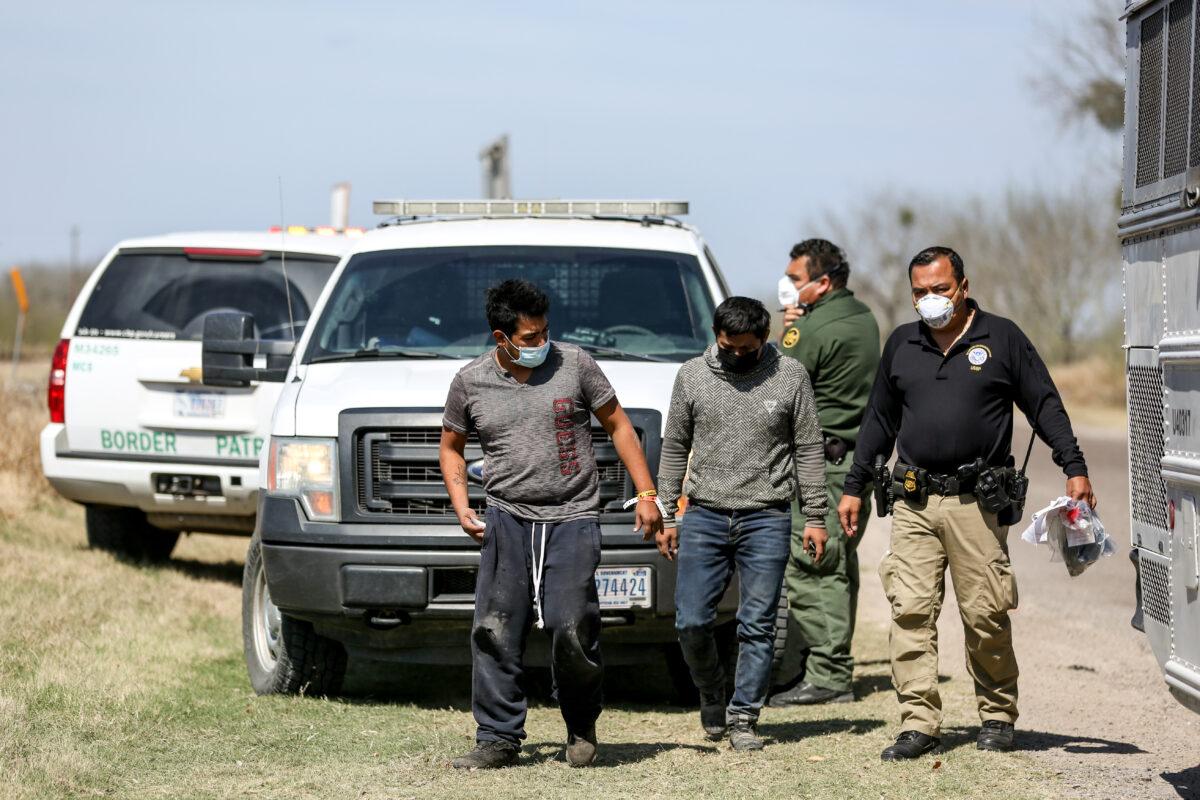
885,496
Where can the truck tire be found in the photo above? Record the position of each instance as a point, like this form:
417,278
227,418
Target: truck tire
781,634
126,534
284,655
686,693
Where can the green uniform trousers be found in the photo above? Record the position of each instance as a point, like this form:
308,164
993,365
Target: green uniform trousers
951,532
823,596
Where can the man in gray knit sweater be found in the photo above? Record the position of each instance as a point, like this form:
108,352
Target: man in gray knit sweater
748,418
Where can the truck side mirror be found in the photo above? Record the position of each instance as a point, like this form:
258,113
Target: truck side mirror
231,356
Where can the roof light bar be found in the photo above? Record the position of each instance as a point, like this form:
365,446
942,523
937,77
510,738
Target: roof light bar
530,208
320,230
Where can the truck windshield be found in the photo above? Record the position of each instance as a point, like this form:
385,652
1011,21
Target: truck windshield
643,304
157,295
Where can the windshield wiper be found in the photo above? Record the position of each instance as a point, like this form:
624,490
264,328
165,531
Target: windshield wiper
375,352
623,355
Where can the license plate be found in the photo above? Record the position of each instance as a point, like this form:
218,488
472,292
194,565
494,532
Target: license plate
205,405
624,587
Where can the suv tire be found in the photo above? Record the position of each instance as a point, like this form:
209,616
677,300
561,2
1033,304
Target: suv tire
126,534
284,655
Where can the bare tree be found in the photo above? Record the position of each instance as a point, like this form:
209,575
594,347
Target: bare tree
1045,260
1082,70
879,237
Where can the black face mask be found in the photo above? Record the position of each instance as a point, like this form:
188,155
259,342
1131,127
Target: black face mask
735,363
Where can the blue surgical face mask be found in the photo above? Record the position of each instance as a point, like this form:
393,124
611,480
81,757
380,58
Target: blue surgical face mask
530,356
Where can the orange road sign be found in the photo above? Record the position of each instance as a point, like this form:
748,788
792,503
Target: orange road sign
19,288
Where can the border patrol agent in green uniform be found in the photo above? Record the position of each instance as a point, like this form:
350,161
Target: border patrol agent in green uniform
835,336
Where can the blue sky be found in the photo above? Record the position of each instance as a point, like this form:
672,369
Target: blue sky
134,118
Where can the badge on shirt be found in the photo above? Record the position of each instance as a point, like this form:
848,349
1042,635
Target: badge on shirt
791,337
977,356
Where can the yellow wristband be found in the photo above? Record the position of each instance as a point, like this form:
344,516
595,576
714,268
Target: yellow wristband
648,493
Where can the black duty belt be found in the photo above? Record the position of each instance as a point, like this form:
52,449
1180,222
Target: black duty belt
915,481
950,484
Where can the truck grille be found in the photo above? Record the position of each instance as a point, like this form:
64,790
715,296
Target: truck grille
1179,80
453,584
1147,445
397,474
1150,83
1156,587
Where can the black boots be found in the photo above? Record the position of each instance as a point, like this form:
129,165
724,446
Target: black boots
995,735
909,744
488,755
808,695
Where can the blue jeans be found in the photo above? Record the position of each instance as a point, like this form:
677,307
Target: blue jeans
711,544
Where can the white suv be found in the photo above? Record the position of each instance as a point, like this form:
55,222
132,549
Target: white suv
357,547
133,434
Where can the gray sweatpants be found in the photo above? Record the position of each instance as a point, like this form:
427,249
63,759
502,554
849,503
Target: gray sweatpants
564,556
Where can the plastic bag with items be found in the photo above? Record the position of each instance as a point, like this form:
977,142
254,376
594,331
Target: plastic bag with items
1074,532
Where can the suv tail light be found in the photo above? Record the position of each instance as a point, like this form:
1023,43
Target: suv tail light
56,392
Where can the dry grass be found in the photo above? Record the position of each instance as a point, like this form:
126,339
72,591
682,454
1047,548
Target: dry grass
1093,390
125,681
22,417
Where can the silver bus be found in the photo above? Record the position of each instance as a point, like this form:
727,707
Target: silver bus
1159,229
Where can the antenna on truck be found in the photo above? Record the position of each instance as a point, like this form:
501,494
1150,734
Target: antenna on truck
287,285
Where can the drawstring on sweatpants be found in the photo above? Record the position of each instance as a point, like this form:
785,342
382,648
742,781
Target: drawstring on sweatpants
538,557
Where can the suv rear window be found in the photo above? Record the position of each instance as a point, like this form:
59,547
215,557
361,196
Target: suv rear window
155,295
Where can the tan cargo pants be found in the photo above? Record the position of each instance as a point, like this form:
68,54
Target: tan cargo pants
953,532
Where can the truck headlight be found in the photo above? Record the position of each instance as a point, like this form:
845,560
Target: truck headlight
305,469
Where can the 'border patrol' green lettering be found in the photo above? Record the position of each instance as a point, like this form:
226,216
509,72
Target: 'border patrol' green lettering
137,441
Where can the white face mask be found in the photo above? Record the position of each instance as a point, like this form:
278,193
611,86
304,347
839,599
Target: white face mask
789,295
936,310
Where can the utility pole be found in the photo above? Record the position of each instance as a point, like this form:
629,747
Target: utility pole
339,205
74,247
73,265
497,181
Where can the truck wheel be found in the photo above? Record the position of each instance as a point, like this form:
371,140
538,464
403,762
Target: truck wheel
125,533
284,655
781,633
686,693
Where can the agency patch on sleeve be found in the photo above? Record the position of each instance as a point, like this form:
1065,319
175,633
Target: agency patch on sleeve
791,337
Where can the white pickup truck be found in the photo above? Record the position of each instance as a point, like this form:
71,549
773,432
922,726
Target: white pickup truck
357,549
133,434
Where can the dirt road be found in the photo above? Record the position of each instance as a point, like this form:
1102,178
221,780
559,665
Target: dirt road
1094,707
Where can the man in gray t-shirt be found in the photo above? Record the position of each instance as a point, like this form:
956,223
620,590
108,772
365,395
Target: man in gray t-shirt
537,435
531,403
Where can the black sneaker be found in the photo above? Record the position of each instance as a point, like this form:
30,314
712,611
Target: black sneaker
581,750
995,735
909,744
743,735
488,755
712,715
808,695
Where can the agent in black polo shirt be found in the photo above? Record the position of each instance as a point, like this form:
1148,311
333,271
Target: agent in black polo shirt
943,397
